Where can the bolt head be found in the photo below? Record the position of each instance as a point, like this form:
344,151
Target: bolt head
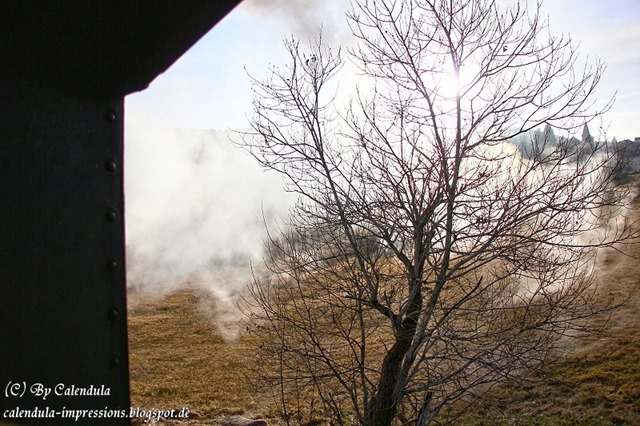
110,116
110,166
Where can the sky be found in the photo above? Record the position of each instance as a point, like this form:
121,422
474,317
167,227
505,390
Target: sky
197,206
209,88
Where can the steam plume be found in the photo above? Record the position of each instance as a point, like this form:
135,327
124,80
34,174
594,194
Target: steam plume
196,211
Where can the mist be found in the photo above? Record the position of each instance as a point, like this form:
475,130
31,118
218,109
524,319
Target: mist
196,211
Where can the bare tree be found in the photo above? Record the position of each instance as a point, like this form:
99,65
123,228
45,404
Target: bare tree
428,258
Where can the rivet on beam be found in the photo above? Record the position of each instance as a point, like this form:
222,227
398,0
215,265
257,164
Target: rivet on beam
112,265
110,116
110,166
111,215
113,314
114,361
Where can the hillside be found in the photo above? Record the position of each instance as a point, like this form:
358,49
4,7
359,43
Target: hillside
179,359
598,383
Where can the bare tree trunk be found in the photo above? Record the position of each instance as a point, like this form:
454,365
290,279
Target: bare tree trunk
384,404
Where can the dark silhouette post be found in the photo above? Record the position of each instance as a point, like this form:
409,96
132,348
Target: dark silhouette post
66,67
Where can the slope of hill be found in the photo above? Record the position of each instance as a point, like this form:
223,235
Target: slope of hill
598,382
179,359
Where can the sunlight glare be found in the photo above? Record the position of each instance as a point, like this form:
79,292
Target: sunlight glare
449,84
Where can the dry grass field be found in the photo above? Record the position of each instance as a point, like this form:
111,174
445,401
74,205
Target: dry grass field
178,359
598,383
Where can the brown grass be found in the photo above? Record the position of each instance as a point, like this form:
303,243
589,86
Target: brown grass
179,359
598,382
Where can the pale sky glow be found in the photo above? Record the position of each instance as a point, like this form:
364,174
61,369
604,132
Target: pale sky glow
208,86
195,203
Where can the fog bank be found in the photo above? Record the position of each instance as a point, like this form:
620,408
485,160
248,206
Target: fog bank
196,208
